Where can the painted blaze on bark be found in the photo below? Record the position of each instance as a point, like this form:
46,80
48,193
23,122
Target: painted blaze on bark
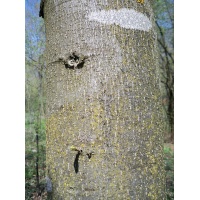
104,120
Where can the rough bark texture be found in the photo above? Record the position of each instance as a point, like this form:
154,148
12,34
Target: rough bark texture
107,108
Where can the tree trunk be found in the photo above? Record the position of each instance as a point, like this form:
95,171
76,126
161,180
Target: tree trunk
104,114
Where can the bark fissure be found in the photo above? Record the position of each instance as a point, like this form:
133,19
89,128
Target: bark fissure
76,164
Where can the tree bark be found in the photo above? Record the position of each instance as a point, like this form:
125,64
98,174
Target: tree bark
104,115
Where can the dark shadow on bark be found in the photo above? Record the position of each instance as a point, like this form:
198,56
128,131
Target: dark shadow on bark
76,164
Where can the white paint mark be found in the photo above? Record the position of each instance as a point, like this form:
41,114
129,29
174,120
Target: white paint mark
126,18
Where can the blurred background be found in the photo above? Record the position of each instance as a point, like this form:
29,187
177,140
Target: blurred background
35,67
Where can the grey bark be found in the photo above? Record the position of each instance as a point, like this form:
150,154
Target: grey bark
104,117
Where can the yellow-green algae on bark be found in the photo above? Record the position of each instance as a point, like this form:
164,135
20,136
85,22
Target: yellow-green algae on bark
110,107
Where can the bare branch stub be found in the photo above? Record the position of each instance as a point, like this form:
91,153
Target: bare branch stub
73,60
